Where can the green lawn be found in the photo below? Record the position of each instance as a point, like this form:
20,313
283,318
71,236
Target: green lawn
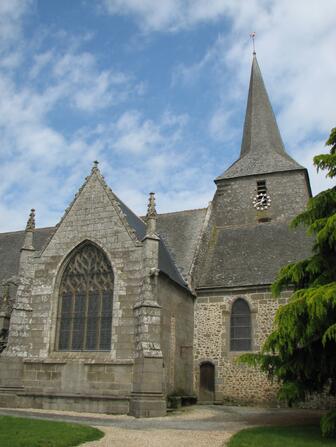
280,437
21,432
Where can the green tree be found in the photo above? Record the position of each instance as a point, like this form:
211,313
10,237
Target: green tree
301,351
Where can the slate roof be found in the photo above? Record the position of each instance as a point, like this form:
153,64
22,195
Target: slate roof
166,262
252,255
11,243
181,232
262,149
10,246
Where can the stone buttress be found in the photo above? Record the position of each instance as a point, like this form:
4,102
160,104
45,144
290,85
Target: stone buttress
148,384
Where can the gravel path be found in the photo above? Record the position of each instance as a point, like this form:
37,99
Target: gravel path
117,437
196,426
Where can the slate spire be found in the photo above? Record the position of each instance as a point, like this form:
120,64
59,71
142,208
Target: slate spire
261,132
262,150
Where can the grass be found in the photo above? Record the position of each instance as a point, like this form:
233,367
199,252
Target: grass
22,432
303,436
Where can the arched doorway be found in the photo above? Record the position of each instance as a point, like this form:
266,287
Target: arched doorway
207,382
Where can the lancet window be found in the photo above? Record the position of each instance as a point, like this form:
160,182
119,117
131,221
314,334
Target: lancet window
240,332
85,301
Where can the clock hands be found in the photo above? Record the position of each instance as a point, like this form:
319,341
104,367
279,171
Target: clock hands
261,201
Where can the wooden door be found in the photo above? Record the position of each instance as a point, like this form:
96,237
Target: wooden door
207,382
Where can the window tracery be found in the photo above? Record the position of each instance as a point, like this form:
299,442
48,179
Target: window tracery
86,296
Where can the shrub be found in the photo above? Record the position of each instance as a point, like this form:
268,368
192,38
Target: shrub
328,425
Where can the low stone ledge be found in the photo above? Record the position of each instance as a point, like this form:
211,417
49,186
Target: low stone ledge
74,396
45,361
52,361
111,362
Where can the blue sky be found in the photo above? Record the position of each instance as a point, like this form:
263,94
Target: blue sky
156,91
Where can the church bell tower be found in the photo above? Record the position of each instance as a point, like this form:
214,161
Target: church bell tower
246,242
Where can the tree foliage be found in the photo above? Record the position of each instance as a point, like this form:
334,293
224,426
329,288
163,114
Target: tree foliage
301,351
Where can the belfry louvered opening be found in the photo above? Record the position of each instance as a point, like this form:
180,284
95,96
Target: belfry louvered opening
85,301
261,187
240,339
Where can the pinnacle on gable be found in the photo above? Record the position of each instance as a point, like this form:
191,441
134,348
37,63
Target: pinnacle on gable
28,236
151,216
151,210
31,221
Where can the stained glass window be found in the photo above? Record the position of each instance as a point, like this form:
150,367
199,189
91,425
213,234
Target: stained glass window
240,326
86,294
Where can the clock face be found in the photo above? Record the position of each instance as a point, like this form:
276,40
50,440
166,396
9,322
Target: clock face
262,201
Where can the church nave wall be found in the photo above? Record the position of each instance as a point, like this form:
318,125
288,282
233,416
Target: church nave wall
233,382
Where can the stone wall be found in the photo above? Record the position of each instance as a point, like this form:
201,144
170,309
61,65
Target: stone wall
93,216
243,246
96,217
177,336
78,377
233,205
233,382
11,372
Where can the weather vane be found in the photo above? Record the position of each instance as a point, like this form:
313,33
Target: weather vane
252,35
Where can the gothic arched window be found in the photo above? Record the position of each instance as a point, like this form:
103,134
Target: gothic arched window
85,301
240,332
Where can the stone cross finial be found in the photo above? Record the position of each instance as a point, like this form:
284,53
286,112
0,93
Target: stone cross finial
151,215
252,36
95,166
31,221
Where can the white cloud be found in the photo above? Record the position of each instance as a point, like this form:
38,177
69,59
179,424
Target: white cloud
11,13
152,15
295,45
173,15
155,157
132,133
42,162
86,86
190,74
169,177
38,160
136,136
41,61
220,126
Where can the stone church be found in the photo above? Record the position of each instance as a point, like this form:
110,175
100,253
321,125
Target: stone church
111,312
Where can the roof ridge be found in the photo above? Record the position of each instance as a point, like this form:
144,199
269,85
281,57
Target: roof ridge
183,211
22,231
